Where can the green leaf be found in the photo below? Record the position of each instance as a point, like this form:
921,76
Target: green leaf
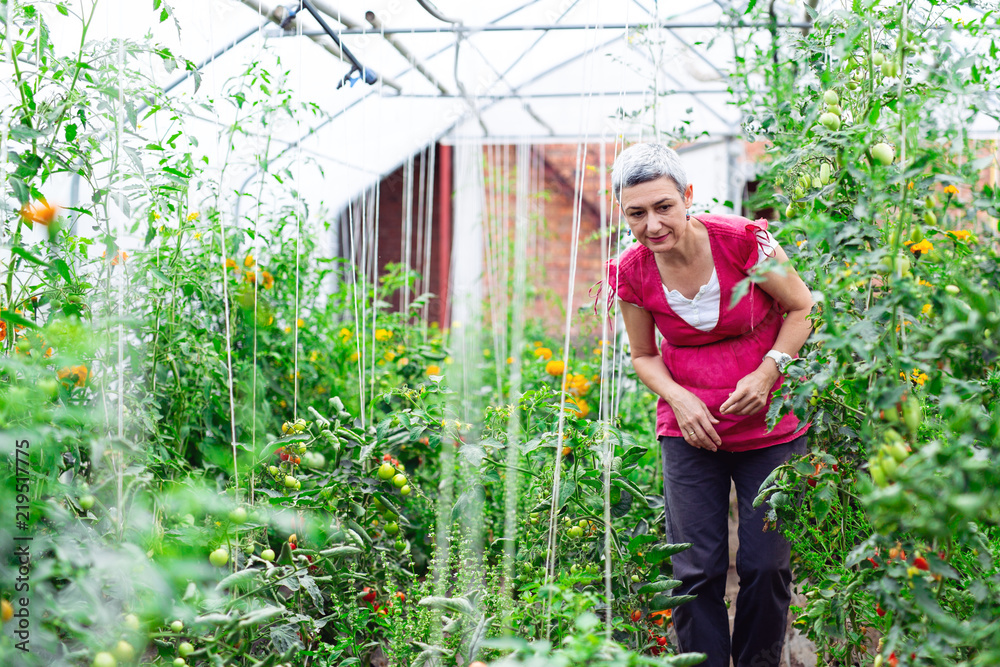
659,586
11,317
34,259
71,130
663,601
237,578
62,269
21,190
662,552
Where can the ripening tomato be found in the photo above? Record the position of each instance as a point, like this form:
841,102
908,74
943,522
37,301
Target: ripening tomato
636,616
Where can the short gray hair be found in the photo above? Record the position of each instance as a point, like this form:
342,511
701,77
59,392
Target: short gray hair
641,163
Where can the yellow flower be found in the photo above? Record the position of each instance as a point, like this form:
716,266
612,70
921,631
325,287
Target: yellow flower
197,235
510,360
268,279
288,330
345,334
923,246
950,190
283,403
578,406
354,356
300,323
389,355
555,367
382,335
270,320
193,216
249,261
313,356
156,216
909,186
400,349
230,263
538,343
926,310
918,376
543,353
960,234
924,283
433,369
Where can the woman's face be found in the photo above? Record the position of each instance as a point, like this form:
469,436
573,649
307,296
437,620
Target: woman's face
656,212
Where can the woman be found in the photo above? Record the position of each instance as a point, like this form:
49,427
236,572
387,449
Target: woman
714,374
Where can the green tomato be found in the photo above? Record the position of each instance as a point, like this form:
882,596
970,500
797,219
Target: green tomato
104,659
835,109
883,153
124,651
636,578
576,532
831,121
177,626
877,59
268,555
851,85
952,289
179,662
830,97
184,649
132,622
386,471
824,173
219,557
583,523
290,481
878,475
400,545
399,481
87,501
238,515
405,490
392,528
930,218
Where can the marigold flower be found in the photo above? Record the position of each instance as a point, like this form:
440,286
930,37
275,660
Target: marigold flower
923,246
433,369
578,406
555,367
345,334
924,283
75,374
193,216
950,189
288,330
3,330
300,323
959,234
383,335
537,343
267,279
510,360
119,257
230,263
249,261
543,353
389,355
919,377
354,356
251,277
926,310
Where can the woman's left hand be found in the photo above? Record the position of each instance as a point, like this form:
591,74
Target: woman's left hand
750,395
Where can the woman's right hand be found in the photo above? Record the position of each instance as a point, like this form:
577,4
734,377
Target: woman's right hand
695,420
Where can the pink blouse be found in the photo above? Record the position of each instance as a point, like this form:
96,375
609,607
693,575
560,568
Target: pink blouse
710,363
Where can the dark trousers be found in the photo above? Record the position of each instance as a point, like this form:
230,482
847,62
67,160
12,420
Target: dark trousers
697,484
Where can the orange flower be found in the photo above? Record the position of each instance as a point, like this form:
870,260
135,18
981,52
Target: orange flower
578,406
555,367
267,279
543,353
230,263
249,261
923,246
950,190
41,212
75,374
251,277
3,330
959,234
433,369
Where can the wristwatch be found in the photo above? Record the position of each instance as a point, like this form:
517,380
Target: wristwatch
780,359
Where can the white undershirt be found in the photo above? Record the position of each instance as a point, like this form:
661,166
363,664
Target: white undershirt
702,312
